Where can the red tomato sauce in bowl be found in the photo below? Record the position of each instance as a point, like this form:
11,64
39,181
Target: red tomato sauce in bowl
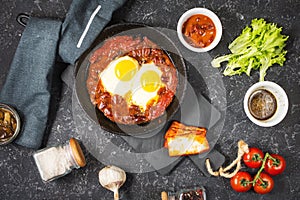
199,31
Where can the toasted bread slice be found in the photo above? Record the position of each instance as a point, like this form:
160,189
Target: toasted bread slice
185,140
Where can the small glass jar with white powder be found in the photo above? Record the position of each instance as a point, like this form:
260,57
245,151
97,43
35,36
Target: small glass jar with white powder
57,161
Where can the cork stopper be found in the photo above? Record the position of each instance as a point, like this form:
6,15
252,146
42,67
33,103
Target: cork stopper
164,195
77,152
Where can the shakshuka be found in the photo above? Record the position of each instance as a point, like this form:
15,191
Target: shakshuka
131,80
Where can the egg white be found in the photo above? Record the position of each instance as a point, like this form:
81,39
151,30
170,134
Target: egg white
132,90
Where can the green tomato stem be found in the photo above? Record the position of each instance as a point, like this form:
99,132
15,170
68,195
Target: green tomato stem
257,176
276,162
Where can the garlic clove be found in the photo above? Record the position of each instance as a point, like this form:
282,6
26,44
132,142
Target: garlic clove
112,178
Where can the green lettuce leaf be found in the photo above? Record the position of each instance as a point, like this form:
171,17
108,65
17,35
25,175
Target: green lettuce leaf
258,47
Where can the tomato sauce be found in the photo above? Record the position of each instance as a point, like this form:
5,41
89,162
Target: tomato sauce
199,31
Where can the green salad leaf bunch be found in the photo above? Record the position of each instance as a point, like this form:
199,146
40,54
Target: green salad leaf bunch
258,47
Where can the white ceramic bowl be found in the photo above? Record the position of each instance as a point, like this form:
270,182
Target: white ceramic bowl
202,11
281,98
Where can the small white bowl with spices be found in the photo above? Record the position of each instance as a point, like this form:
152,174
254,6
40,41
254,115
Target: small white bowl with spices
199,29
10,124
266,103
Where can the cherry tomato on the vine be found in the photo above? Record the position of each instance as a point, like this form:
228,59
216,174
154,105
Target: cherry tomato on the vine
275,164
253,158
264,184
241,182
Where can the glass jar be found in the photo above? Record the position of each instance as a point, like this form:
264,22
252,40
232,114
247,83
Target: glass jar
197,193
57,161
10,124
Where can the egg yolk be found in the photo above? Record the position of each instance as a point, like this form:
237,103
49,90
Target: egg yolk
125,70
150,81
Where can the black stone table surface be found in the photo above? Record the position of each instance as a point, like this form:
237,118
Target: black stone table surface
20,178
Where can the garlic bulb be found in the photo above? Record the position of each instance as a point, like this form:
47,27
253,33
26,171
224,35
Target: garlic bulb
112,178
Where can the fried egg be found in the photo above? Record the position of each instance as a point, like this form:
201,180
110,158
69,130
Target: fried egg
146,84
138,85
117,77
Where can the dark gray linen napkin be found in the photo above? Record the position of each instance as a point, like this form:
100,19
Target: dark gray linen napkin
28,82
75,24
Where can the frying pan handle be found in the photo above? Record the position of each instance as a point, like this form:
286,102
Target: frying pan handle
22,19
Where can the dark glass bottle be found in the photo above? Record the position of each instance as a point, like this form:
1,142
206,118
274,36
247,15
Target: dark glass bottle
197,193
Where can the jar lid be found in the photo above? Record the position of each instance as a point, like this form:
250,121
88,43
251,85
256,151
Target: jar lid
164,195
77,152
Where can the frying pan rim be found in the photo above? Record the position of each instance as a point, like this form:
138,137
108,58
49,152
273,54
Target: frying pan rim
181,89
